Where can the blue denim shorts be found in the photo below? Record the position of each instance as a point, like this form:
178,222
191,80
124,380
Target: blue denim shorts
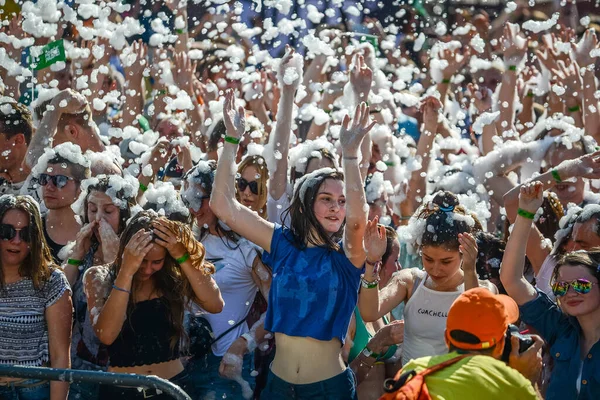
340,387
26,390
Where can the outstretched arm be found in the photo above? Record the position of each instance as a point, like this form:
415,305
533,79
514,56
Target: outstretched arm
351,137
222,201
279,141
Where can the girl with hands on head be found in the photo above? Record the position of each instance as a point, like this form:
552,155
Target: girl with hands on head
137,303
315,274
571,329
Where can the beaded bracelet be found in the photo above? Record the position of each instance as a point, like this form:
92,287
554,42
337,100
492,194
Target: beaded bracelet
525,214
232,140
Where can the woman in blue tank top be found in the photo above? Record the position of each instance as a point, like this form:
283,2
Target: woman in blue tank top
316,274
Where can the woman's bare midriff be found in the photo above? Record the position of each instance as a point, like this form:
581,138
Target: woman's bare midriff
165,370
301,360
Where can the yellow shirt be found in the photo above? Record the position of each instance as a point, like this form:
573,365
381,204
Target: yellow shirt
476,377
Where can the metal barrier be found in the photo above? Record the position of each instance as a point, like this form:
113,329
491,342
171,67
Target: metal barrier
105,378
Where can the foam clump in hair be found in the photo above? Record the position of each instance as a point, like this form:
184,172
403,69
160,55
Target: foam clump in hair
309,180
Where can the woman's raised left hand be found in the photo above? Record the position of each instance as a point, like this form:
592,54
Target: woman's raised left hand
169,239
352,135
468,249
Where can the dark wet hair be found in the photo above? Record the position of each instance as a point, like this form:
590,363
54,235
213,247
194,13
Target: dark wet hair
18,120
304,225
587,259
79,171
490,251
390,236
441,228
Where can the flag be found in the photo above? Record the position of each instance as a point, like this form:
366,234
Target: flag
50,54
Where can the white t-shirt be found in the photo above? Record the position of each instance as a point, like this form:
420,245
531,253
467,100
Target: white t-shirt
238,289
276,208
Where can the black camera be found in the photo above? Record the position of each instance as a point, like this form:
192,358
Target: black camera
525,342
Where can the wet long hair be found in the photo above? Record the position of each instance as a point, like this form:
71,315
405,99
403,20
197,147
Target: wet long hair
444,219
170,282
38,265
304,225
260,164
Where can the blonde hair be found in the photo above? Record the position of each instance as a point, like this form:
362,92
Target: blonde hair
260,164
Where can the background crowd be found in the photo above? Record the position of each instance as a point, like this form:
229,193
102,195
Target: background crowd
290,200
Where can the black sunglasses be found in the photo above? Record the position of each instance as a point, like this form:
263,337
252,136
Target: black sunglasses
188,204
243,184
60,181
8,232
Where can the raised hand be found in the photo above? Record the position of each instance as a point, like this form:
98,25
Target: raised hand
235,119
568,77
587,166
138,247
374,241
481,97
69,101
430,108
361,78
583,49
168,236
550,57
159,156
134,60
83,240
468,248
352,135
183,73
285,64
531,196
514,45
110,241
455,61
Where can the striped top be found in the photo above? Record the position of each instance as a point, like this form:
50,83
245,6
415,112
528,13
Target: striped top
23,328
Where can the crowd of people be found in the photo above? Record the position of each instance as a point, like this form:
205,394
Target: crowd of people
301,200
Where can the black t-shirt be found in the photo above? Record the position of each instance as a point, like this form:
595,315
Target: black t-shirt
55,248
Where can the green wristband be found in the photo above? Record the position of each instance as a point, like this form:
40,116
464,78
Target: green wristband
574,109
446,81
525,214
390,163
232,140
72,261
556,176
530,94
143,187
512,68
183,258
180,31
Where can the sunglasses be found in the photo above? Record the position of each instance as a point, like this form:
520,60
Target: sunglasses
243,184
581,286
188,204
8,232
60,181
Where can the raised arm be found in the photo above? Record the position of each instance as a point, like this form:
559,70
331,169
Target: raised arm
515,49
206,291
583,51
417,185
112,312
351,136
67,102
222,201
279,141
511,271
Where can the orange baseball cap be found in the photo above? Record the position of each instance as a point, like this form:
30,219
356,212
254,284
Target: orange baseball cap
482,314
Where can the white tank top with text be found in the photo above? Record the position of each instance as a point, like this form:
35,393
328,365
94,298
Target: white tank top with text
425,317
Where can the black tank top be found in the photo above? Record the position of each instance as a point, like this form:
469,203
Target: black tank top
55,248
145,337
